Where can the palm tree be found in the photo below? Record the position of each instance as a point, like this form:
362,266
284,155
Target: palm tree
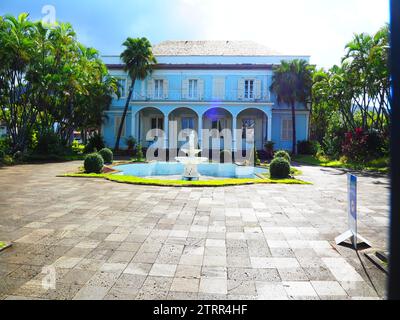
139,61
292,82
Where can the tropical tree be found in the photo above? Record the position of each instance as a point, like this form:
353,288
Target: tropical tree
292,83
139,61
47,80
16,50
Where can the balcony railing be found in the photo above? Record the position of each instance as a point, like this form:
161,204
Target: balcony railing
179,95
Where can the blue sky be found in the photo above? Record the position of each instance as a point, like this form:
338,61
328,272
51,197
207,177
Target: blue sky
319,28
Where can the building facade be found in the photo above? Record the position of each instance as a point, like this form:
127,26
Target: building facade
205,85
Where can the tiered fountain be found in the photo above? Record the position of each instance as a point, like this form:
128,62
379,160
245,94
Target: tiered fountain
191,161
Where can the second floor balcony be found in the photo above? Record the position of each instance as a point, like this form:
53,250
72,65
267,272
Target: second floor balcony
196,90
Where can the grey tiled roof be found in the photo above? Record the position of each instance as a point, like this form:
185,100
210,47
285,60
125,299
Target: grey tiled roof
212,48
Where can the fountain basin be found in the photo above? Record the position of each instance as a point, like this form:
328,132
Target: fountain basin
220,170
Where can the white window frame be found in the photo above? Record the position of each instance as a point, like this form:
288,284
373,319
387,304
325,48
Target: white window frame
116,127
249,84
243,127
159,89
124,87
159,122
193,88
187,118
285,131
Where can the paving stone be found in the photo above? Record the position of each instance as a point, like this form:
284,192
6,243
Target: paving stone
185,285
264,235
163,270
91,293
270,291
213,285
299,289
328,288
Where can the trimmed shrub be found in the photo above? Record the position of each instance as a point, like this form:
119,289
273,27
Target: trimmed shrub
93,163
107,155
279,168
307,147
283,154
95,143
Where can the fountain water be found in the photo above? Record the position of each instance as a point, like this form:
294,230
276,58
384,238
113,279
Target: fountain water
191,161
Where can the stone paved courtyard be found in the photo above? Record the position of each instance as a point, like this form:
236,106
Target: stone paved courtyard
117,241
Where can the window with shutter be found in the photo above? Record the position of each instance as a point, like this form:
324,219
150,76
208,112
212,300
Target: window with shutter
158,89
249,89
150,89
185,88
287,130
117,123
241,89
219,88
193,89
166,89
200,89
257,89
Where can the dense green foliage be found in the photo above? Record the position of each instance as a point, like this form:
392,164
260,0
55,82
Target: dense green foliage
93,163
107,155
282,154
49,82
279,168
308,147
95,143
351,102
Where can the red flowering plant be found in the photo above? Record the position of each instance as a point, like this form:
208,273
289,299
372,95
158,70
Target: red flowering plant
355,146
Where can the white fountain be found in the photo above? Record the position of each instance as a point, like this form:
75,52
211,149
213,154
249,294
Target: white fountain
191,161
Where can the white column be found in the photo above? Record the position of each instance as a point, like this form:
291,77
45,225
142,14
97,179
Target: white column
166,131
234,133
137,128
200,131
133,124
269,126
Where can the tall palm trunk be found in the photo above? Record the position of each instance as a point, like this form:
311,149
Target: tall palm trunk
121,126
294,144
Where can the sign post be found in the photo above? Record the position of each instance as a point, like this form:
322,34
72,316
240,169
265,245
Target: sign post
351,233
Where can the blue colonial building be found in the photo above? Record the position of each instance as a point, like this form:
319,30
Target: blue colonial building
206,85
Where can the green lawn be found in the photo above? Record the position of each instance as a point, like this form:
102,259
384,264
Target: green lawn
182,183
379,165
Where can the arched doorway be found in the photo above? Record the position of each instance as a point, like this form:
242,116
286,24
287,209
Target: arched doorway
148,119
256,119
181,119
218,119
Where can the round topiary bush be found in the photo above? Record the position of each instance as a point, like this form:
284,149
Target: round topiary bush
93,163
282,154
107,155
279,168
